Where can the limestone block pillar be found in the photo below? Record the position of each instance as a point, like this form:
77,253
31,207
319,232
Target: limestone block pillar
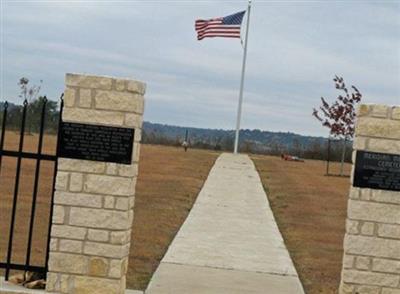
93,202
371,261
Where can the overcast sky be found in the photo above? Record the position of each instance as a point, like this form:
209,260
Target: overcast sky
295,49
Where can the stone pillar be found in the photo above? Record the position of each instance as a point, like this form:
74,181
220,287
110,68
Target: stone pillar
93,204
371,262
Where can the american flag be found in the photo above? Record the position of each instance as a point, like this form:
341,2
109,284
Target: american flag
226,27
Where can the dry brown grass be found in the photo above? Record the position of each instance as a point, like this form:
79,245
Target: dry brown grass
168,183
310,209
7,184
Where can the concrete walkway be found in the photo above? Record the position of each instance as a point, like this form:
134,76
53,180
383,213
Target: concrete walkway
230,242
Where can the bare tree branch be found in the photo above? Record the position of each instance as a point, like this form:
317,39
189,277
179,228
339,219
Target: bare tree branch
339,116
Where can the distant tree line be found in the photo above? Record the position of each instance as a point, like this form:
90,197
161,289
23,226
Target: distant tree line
223,143
314,149
220,141
33,116
317,149
29,95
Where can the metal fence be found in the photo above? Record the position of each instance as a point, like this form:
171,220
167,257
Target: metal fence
19,155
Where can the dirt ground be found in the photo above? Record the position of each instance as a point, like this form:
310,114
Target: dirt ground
310,209
168,183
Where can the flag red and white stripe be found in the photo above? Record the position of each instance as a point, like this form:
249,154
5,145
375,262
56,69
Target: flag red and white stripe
217,27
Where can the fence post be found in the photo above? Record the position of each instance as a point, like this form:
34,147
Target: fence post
3,130
93,201
372,241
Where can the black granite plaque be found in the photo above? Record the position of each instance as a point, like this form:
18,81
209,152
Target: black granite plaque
377,171
98,143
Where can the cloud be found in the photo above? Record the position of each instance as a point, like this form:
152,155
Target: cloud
295,48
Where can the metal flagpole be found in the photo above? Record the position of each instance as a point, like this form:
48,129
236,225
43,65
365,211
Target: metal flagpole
239,112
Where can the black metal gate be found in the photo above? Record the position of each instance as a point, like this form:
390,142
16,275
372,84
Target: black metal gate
38,156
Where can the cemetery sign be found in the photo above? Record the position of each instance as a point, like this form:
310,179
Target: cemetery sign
377,171
97,143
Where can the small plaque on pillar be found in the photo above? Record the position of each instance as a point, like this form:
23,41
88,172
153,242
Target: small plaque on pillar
97,143
377,171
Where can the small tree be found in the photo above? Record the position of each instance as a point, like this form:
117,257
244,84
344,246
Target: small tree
29,94
340,116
